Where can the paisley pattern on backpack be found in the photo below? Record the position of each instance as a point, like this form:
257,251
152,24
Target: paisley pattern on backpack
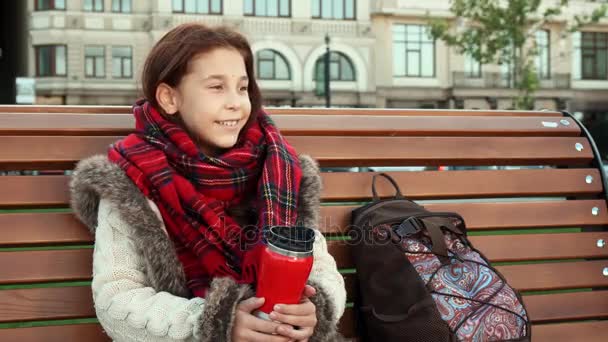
462,288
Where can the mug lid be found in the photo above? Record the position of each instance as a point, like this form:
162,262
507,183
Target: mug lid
291,238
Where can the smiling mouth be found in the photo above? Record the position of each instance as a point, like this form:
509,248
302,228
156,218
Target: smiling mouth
228,123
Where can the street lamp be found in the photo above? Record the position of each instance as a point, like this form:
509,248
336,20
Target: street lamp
326,78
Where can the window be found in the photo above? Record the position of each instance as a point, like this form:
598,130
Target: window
413,51
197,6
594,55
121,6
93,5
333,9
472,68
46,5
267,8
340,67
543,58
94,61
51,60
271,65
122,62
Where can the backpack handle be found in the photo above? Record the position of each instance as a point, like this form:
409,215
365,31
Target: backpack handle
390,179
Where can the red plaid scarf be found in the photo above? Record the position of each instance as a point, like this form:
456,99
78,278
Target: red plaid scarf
193,191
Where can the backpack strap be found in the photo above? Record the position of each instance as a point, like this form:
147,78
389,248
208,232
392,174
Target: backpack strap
398,194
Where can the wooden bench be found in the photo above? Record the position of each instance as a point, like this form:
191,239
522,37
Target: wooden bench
543,227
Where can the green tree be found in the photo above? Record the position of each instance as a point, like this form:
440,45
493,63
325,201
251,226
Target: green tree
502,32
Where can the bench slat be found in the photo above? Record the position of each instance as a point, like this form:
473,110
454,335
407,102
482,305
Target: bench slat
567,306
76,302
341,186
509,248
436,151
594,331
569,332
312,111
39,229
90,332
45,266
52,152
68,265
481,216
122,124
34,191
40,191
550,307
547,276
46,304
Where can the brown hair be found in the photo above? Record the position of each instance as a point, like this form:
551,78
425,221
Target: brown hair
169,59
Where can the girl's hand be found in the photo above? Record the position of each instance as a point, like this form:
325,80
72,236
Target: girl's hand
302,315
248,327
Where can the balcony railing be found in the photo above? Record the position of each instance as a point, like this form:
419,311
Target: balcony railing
501,80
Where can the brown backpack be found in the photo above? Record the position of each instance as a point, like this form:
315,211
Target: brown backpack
421,280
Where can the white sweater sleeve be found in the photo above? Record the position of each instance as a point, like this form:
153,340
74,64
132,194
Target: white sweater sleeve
127,308
325,273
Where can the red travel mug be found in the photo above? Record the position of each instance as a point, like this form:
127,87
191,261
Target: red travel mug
284,266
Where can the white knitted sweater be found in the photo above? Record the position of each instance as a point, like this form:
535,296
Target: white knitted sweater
129,309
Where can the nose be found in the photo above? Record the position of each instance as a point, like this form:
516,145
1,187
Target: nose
233,101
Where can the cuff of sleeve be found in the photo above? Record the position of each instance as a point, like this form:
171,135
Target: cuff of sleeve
221,301
327,328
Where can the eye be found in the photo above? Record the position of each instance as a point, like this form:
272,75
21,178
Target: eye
217,86
244,88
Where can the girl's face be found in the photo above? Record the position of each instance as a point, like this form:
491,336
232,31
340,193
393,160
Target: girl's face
212,99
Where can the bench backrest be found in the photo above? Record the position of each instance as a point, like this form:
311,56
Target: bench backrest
542,225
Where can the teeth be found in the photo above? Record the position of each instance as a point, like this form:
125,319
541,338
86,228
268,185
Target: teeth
228,123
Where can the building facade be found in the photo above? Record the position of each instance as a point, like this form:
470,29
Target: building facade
92,52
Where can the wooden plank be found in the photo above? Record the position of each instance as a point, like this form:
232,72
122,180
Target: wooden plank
66,124
538,277
65,109
409,126
506,248
594,331
499,215
551,307
40,229
40,191
300,110
570,332
510,248
45,266
45,304
416,112
34,191
556,276
49,153
567,306
52,152
59,265
436,151
78,332
299,124
340,186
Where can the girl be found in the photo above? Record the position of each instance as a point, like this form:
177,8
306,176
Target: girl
177,208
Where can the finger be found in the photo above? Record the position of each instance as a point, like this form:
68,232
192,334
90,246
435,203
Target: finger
261,337
250,304
296,321
298,335
309,291
260,325
306,307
